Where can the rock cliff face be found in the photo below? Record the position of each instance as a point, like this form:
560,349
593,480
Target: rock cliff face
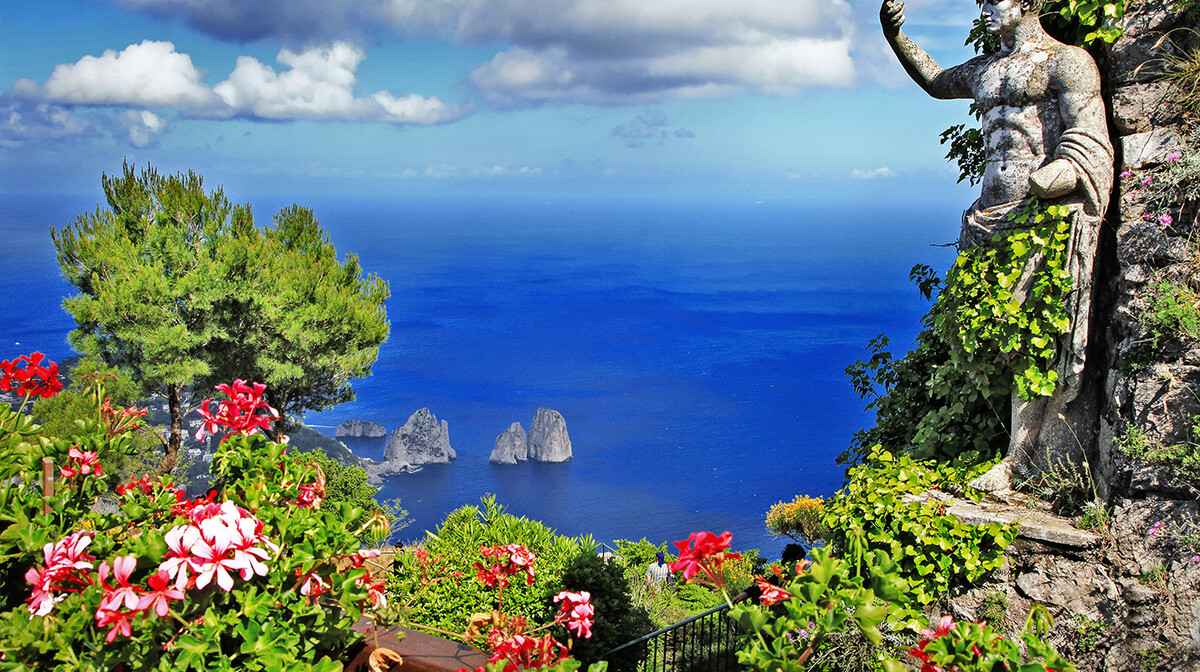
548,440
422,440
360,429
511,446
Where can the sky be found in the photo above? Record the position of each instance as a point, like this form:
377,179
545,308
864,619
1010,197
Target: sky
741,98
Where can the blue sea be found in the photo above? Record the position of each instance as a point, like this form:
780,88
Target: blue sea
695,347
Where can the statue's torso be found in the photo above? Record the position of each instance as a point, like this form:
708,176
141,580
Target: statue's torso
1021,122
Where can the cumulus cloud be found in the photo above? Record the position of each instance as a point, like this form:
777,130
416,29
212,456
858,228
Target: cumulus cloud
24,122
142,127
315,84
859,174
150,74
646,126
319,85
609,52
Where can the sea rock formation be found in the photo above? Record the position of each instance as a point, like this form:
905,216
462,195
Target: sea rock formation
548,440
360,429
422,440
511,447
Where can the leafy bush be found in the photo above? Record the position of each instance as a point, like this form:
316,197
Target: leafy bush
933,552
800,519
349,485
449,604
73,412
1084,22
1183,457
617,620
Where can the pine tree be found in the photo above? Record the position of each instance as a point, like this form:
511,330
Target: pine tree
178,287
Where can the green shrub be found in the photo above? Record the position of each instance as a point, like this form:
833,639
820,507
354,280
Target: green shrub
934,552
617,620
349,485
449,604
1183,458
1171,312
800,519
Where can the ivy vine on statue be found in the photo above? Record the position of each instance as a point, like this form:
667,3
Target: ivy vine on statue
1046,143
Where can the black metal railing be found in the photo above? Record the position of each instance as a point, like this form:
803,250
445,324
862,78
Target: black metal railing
706,642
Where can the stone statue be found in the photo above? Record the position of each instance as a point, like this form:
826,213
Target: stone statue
1045,132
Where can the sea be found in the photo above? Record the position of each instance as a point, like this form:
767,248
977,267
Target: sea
696,347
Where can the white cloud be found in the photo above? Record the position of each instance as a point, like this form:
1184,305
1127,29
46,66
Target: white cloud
445,171
610,52
142,127
150,74
647,126
884,171
24,122
316,84
629,52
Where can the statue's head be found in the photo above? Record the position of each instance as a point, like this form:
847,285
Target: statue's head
1002,16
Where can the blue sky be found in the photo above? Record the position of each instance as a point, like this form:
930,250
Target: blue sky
746,98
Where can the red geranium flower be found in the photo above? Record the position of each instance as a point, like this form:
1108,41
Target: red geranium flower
239,413
28,377
703,552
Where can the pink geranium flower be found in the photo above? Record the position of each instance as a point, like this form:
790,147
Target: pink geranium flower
1174,156
119,620
124,593
80,462
160,594
577,612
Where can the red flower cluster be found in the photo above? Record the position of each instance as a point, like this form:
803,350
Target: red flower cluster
120,420
81,462
577,612
523,652
771,593
514,559
943,629
375,588
239,413
147,487
28,377
703,552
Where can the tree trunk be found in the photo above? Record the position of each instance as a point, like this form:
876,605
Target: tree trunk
174,442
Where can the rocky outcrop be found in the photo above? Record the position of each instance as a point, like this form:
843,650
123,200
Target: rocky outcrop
511,446
355,429
422,440
548,440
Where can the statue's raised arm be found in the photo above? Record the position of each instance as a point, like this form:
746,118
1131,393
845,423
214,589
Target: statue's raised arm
936,81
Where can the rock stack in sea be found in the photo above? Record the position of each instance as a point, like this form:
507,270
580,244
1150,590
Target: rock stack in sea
422,440
360,429
511,446
547,440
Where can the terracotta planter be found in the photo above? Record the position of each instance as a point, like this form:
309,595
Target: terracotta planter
421,652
